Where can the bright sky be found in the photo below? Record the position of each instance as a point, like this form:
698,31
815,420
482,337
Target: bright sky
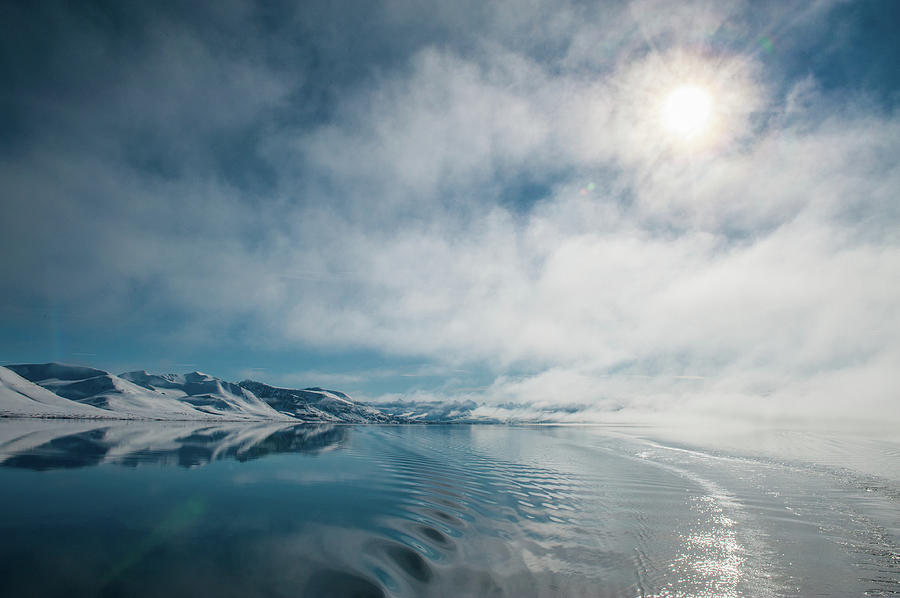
595,205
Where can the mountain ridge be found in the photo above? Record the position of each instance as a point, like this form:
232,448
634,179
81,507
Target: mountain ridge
317,402
56,390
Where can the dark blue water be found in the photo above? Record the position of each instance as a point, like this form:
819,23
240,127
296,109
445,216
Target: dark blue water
183,510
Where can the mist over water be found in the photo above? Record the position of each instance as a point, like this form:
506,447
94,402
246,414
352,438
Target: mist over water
275,510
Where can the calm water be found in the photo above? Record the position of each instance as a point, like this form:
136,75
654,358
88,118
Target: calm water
182,510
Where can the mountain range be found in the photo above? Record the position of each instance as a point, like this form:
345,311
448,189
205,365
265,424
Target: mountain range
53,390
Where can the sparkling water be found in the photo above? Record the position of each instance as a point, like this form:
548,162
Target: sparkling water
143,509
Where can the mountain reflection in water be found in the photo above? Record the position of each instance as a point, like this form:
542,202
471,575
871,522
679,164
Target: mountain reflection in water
89,509
185,445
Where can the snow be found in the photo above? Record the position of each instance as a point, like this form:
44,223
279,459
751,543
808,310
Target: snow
206,393
19,396
58,390
72,391
331,394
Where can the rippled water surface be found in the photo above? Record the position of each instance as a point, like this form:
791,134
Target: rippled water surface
182,510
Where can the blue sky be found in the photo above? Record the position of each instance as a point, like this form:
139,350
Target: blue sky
460,200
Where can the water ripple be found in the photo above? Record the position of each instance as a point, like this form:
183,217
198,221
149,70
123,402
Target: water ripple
441,511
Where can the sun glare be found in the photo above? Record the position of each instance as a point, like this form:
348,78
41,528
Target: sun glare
687,110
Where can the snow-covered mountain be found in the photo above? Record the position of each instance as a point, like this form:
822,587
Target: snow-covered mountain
317,404
57,390
105,391
432,411
205,393
21,397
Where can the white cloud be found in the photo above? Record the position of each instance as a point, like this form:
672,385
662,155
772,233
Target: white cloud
761,267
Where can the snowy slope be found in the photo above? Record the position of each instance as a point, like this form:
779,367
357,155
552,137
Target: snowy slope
432,411
58,390
19,396
105,391
316,404
193,396
205,393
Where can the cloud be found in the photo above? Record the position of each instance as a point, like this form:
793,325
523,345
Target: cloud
503,197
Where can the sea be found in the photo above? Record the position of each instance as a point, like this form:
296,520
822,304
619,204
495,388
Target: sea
185,509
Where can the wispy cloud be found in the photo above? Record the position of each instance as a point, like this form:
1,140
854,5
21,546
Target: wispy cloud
502,196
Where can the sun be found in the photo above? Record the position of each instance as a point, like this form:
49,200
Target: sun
687,111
